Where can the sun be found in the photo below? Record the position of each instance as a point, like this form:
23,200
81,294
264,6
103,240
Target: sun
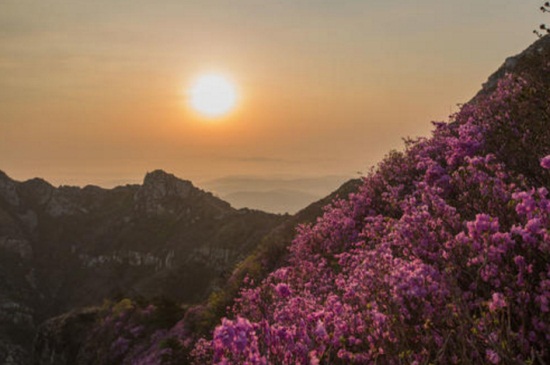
213,95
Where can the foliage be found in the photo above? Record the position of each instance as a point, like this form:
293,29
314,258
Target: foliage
271,253
443,256
131,332
544,29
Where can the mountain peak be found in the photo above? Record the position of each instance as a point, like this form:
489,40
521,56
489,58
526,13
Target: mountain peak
163,184
528,61
160,188
4,176
8,189
159,174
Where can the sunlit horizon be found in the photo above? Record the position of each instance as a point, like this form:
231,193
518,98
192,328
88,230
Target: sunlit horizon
92,92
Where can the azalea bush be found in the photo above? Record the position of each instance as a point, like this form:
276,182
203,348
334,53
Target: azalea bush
443,256
136,332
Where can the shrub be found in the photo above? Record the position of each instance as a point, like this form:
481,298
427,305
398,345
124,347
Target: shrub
442,256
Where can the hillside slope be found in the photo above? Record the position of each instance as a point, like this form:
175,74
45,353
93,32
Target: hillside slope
132,332
443,256
439,256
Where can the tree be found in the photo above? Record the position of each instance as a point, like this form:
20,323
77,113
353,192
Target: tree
543,29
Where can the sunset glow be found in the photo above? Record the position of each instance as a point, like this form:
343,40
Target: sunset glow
305,91
274,182
212,95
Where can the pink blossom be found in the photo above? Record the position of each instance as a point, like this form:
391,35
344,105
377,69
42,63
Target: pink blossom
497,302
429,251
492,357
283,290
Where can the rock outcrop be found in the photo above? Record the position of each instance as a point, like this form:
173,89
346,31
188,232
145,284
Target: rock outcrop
70,247
523,62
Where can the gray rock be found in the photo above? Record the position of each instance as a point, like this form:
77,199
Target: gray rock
8,190
20,247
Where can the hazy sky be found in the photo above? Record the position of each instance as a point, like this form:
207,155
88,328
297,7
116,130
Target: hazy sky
94,91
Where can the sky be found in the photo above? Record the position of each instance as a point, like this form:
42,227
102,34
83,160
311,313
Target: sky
95,92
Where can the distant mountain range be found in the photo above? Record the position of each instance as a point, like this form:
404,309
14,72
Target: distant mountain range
276,195
277,201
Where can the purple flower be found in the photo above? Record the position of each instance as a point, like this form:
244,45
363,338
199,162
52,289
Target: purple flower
492,357
445,234
283,290
497,302
313,359
320,330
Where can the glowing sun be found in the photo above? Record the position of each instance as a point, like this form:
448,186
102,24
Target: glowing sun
212,95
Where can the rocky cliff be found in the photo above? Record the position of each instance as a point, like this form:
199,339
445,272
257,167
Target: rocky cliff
69,247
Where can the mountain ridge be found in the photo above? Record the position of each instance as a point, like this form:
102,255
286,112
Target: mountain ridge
68,247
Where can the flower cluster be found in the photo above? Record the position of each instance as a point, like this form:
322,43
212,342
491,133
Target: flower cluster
128,332
442,256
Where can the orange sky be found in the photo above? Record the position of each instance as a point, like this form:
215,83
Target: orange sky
94,91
